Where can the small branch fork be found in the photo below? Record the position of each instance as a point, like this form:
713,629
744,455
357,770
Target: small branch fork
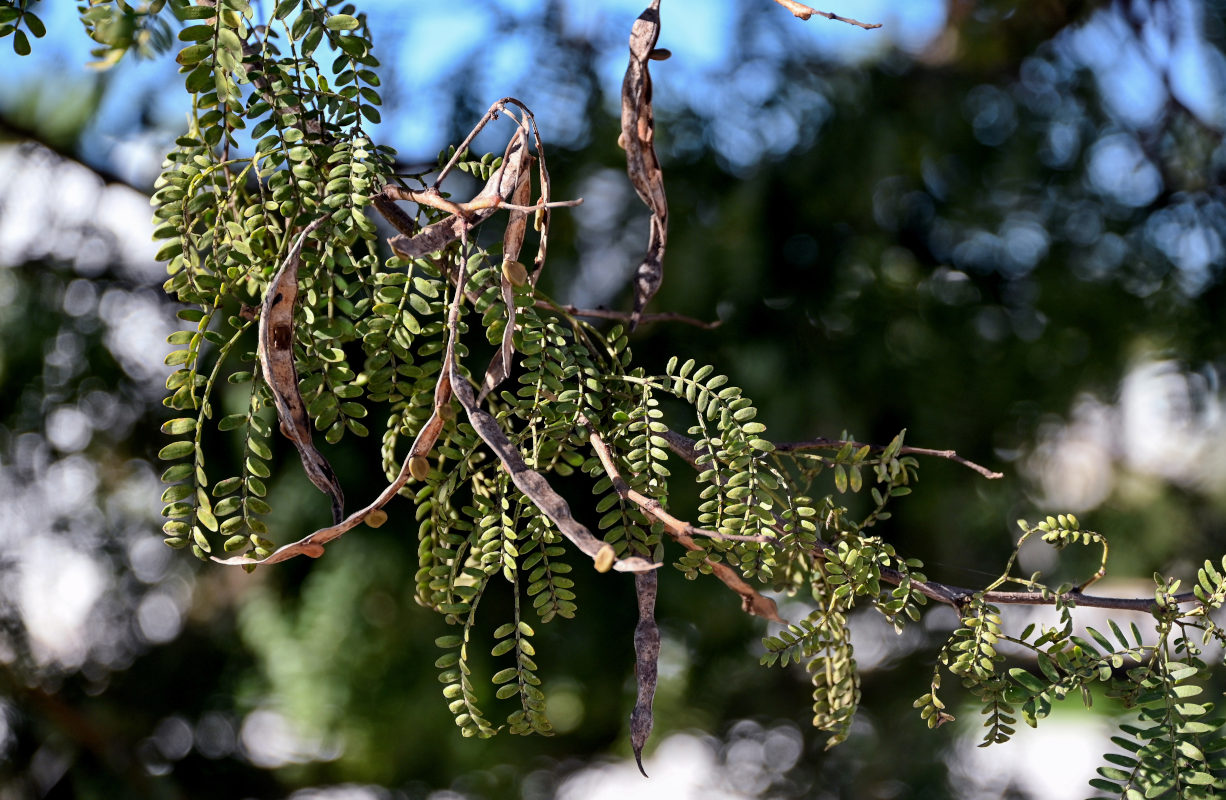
804,12
683,533
626,316
650,505
434,199
822,443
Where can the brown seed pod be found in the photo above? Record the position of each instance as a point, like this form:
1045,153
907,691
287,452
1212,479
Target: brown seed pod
515,273
604,558
419,467
660,54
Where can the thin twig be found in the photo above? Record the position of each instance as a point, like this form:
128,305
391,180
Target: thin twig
652,506
312,544
685,447
804,12
752,602
432,198
822,443
578,201
625,316
957,595
490,116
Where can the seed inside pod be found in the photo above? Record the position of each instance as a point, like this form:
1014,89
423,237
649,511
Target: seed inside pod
604,559
515,273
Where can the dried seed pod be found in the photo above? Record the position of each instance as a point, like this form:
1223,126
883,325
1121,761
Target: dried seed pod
515,273
642,165
419,467
660,54
646,663
604,559
276,354
376,518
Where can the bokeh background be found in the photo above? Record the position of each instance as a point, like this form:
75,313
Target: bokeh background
998,225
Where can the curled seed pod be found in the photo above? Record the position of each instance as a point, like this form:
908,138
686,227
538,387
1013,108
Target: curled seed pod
419,467
376,518
515,273
604,558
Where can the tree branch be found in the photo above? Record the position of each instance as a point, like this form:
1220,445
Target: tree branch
956,595
626,316
684,446
650,505
822,443
751,601
951,595
804,12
